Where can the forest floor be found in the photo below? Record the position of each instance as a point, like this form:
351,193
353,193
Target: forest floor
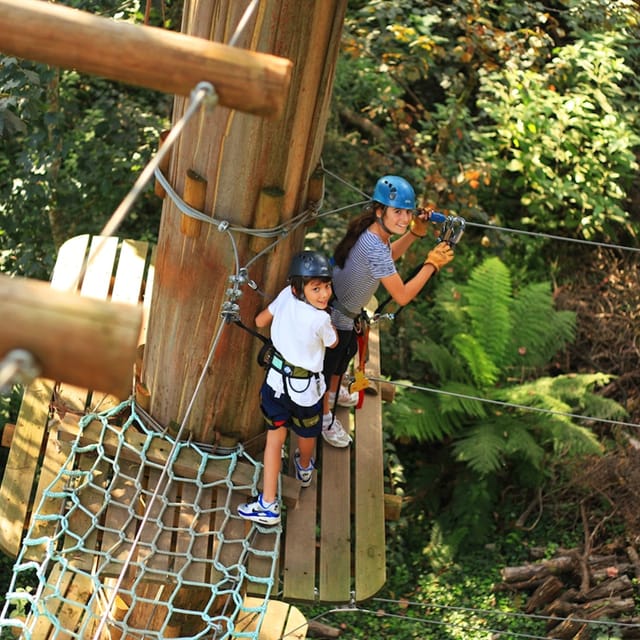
605,294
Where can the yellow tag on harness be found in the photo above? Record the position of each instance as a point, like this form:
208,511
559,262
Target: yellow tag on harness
360,383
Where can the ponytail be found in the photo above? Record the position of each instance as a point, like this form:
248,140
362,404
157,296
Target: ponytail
355,229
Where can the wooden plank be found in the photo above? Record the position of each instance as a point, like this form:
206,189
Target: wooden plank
69,262
81,541
155,548
96,282
73,606
130,272
281,620
124,507
193,535
22,463
45,522
296,626
335,520
73,399
300,546
370,561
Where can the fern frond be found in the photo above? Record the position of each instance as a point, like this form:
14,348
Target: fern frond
488,295
570,439
439,357
571,393
486,446
461,399
417,415
539,331
482,368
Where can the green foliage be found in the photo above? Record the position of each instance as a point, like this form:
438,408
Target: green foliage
517,114
72,147
561,140
494,345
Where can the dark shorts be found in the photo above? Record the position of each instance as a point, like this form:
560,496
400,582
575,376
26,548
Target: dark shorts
336,360
282,412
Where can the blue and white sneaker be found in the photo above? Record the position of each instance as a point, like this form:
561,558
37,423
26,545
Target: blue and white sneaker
302,474
260,512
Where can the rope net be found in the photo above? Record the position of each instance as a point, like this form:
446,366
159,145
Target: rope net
137,537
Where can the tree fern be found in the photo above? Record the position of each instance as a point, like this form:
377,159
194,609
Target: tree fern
489,296
493,343
541,330
483,369
485,447
417,415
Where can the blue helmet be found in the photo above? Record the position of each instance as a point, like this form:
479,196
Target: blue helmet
310,264
394,191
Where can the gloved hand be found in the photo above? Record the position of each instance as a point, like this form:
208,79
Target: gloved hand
439,256
418,225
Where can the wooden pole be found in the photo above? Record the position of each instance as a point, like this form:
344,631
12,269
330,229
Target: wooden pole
141,55
82,341
242,158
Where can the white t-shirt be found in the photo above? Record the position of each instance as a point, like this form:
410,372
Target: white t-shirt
300,332
368,262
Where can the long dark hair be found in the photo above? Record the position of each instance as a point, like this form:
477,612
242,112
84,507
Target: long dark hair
355,229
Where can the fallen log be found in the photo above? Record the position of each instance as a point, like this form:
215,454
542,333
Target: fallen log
538,570
620,586
544,594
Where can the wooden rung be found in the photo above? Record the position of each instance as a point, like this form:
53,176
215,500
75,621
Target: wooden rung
194,535
186,463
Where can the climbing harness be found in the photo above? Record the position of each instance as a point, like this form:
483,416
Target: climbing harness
270,358
452,228
361,382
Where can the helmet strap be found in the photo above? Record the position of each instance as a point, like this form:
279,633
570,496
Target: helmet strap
380,221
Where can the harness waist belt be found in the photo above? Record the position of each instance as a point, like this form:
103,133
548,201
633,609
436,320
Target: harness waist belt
288,369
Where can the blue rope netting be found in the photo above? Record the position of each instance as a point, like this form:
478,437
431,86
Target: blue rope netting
137,534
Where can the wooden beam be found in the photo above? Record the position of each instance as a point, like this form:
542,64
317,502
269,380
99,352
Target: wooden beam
144,56
74,339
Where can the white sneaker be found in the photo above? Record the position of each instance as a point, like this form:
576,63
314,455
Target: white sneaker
335,434
346,399
302,474
258,511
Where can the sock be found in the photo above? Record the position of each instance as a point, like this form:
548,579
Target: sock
264,503
327,420
332,398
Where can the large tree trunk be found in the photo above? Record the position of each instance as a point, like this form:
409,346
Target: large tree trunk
243,159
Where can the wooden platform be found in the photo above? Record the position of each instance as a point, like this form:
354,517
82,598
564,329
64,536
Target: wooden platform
341,515
333,547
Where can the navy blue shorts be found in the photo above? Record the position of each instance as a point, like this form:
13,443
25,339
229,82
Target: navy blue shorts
305,422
